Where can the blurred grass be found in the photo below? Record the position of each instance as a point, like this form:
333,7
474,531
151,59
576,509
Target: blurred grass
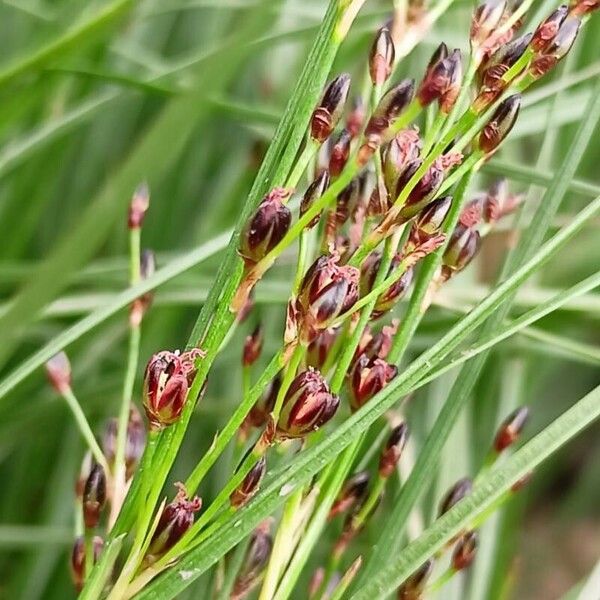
95,99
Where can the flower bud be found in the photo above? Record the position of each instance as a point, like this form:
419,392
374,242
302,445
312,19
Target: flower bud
327,114
556,48
78,559
165,389
381,57
138,206
314,191
255,560
423,192
367,378
392,450
455,494
250,485
176,518
318,349
356,117
510,429
428,222
378,345
400,152
326,292
135,441
486,17
252,347
94,496
259,413
413,587
499,126
464,551
442,79
58,371
548,28
393,102
340,153
583,7
387,299
354,491
308,404
461,249
347,201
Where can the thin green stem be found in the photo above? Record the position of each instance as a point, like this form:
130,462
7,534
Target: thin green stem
309,151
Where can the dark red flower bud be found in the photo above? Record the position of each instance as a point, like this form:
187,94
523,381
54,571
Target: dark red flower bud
556,48
340,153
252,347
314,191
461,250
510,429
378,345
165,389
327,291
499,126
464,551
94,496
387,299
356,117
255,560
423,192
140,305
486,17
442,80
455,494
135,440
548,28
393,102
367,378
413,587
257,417
250,485
354,491
58,371
307,406
329,110
347,201
428,222
266,227
583,7
392,450
318,349
400,152
176,518
138,207
381,57
78,558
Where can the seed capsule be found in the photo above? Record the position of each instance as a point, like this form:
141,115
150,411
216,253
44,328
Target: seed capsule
135,441
58,371
548,28
392,450
340,153
464,551
266,227
367,378
393,102
250,485
94,496
556,48
413,587
510,429
255,560
486,17
307,406
381,57
252,347
455,494
499,126
318,349
78,558
327,114
314,191
176,518
138,206
354,491
461,250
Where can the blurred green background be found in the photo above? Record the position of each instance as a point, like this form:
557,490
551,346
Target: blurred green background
97,96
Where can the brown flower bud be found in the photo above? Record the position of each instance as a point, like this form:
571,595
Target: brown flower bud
510,429
58,371
307,406
138,206
252,347
250,485
381,57
393,102
259,413
455,494
486,17
548,28
428,222
340,153
499,126
327,114
387,299
404,149
354,491
413,587
255,560
583,7
522,482
464,551
367,378
461,249
392,451
314,191
442,79
176,518
318,349
265,229
78,558
556,48
378,345
423,192
135,440
94,496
